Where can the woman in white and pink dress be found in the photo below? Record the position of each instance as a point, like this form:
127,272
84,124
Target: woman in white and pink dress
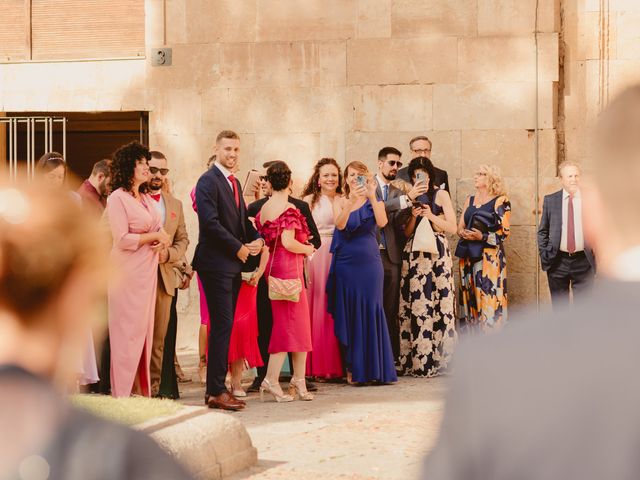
324,362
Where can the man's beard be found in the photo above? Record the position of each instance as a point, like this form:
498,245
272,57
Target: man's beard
154,186
391,177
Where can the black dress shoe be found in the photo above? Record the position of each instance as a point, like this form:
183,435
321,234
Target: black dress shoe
311,387
255,386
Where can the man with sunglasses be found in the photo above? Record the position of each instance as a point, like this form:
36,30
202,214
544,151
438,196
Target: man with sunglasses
170,210
421,147
391,240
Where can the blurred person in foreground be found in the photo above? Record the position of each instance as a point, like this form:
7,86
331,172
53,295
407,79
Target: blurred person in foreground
52,278
556,397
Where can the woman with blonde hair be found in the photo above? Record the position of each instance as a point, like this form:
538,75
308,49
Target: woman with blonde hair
355,283
483,227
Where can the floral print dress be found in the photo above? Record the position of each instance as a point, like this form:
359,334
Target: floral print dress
483,281
427,298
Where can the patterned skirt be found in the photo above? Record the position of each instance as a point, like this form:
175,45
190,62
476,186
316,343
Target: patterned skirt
427,321
483,292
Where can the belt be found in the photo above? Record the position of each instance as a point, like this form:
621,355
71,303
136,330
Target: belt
574,254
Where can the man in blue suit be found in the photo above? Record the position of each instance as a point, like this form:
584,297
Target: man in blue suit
564,254
226,240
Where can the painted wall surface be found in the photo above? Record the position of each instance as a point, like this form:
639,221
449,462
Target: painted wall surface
343,78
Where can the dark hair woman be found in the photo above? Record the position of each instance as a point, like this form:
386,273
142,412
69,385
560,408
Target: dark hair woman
286,233
427,322
322,189
138,236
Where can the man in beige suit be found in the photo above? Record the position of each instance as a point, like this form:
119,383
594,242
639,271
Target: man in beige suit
170,210
557,396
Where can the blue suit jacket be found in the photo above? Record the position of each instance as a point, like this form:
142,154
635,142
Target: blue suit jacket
550,233
223,227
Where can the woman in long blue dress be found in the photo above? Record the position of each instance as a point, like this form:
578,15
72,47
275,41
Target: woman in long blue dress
356,278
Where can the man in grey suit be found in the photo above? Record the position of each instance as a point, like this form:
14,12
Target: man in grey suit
564,253
391,240
557,397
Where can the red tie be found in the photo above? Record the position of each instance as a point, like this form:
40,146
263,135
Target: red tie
236,194
571,228
155,196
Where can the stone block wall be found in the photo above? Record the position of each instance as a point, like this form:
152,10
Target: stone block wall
342,78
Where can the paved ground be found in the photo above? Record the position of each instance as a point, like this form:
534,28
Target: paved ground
345,433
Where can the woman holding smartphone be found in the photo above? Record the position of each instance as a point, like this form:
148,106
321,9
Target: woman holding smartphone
427,322
355,283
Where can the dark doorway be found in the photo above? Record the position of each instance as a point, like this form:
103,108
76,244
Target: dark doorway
90,136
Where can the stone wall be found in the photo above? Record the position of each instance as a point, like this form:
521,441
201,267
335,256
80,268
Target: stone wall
601,57
342,78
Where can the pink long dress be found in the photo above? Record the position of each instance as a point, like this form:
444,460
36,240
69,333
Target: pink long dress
204,309
132,294
325,360
291,324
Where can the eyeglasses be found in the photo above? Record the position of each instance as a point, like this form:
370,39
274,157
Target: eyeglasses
393,163
154,170
422,151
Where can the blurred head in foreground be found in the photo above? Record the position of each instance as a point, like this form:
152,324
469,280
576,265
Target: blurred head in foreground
611,197
52,271
52,276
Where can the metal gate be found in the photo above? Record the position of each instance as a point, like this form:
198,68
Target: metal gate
37,133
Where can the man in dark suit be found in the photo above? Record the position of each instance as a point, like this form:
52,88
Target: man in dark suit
557,397
391,241
421,147
265,320
226,240
564,254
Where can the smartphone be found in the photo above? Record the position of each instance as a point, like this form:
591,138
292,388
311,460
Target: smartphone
361,180
417,204
421,177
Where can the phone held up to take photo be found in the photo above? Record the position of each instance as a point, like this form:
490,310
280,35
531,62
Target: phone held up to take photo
420,177
361,180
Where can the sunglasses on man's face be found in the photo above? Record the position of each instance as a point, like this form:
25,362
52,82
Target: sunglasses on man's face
154,170
394,163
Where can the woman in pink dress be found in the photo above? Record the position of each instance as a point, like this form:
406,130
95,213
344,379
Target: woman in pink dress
243,345
203,333
137,233
324,361
285,232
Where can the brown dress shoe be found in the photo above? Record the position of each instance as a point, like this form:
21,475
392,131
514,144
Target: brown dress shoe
224,401
241,402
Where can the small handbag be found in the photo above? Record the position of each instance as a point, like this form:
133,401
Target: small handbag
287,289
423,238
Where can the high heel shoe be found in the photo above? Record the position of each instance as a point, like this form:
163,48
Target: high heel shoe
298,387
202,370
238,391
279,397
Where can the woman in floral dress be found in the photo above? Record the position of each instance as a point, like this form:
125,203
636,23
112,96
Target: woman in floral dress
427,321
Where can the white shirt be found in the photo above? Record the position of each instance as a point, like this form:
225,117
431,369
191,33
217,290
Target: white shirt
161,208
577,221
226,174
404,201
